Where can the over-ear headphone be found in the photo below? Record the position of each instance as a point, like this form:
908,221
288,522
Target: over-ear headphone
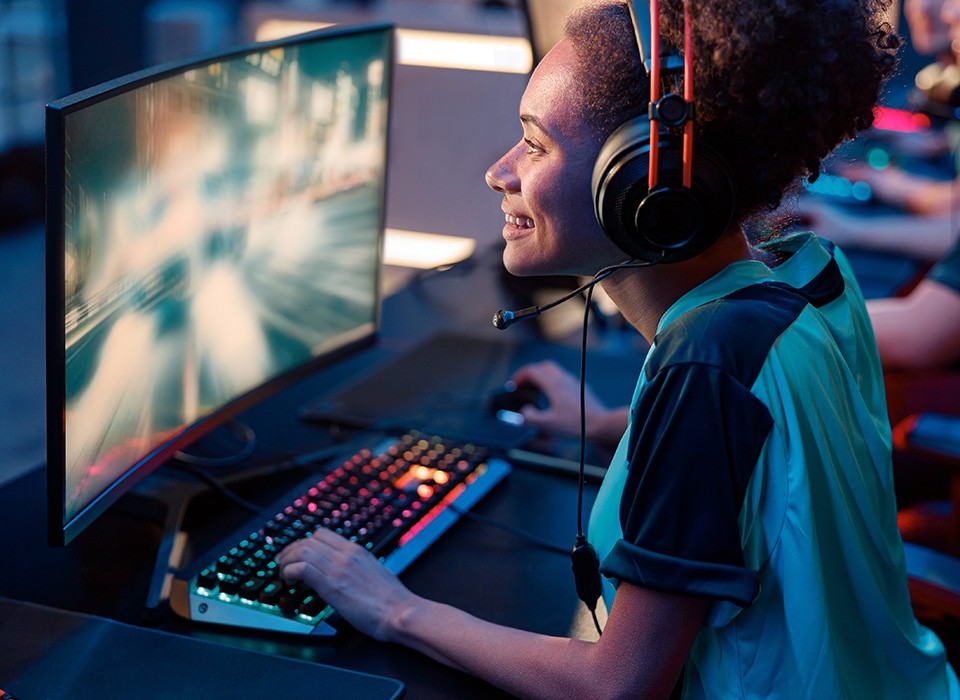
658,203
657,199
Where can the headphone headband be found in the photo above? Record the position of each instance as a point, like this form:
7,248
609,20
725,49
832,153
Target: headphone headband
675,205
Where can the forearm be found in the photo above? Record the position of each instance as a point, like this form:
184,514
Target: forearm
645,641
925,238
523,663
934,198
608,427
640,655
920,331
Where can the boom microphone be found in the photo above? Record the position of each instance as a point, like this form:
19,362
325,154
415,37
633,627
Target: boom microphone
504,319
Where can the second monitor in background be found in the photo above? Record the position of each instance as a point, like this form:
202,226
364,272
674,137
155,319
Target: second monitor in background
545,20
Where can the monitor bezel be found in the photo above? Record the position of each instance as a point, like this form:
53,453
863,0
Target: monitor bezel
59,530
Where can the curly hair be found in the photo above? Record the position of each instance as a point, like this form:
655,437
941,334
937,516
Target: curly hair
778,83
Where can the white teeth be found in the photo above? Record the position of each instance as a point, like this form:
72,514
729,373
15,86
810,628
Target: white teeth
520,221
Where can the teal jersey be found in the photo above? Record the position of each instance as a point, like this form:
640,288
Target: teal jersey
756,472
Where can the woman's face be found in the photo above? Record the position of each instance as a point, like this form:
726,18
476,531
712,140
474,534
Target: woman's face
950,15
929,34
545,179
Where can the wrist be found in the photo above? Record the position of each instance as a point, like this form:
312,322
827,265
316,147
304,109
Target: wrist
401,625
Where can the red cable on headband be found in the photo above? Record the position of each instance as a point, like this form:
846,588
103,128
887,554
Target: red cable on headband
688,97
654,93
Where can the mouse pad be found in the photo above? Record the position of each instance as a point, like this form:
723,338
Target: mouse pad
55,654
444,386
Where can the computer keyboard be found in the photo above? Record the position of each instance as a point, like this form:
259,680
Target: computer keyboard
394,498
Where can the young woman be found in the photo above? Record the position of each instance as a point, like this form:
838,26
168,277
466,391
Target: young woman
746,526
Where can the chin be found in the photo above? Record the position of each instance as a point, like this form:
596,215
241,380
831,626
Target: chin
520,264
525,267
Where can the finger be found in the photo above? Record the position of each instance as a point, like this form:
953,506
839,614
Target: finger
295,550
548,371
336,550
298,571
527,374
533,415
308,563
535,373
329,538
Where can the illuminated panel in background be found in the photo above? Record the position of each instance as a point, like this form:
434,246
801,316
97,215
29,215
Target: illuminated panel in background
501,54
425,250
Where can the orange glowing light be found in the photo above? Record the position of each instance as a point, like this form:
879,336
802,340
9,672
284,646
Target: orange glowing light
422,473
434,512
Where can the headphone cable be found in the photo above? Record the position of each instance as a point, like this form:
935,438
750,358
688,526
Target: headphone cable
586,564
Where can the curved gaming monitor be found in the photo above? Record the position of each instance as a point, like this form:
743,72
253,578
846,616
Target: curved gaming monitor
214,232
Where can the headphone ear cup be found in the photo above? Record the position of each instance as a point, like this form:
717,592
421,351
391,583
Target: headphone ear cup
672,222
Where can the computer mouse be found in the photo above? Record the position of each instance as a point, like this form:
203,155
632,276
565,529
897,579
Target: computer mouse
512,397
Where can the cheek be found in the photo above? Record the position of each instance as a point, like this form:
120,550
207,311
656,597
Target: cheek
561,194
572,205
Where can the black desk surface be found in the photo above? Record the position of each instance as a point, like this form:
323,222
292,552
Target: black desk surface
494,575
51,653
485,571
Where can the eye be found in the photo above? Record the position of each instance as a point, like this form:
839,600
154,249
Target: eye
533,148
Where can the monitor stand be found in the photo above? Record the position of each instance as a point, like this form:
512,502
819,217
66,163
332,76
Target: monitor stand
166,502
165,497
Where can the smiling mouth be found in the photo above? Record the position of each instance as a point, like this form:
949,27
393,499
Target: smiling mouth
519,221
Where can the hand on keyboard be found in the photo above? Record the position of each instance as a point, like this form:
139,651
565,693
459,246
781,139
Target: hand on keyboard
389,502
349,578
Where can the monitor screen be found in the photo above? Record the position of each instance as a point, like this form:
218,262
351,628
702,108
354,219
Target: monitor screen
214,232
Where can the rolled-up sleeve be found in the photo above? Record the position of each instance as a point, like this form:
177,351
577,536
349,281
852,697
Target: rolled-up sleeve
695,438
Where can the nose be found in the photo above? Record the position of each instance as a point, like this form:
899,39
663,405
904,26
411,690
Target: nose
502,176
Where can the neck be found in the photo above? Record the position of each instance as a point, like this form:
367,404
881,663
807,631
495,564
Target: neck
645,294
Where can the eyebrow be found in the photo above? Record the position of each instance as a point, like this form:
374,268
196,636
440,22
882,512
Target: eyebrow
531,119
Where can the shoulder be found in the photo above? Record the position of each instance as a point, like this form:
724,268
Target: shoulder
733,334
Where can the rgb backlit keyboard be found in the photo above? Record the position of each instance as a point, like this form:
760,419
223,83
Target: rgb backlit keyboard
395,498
